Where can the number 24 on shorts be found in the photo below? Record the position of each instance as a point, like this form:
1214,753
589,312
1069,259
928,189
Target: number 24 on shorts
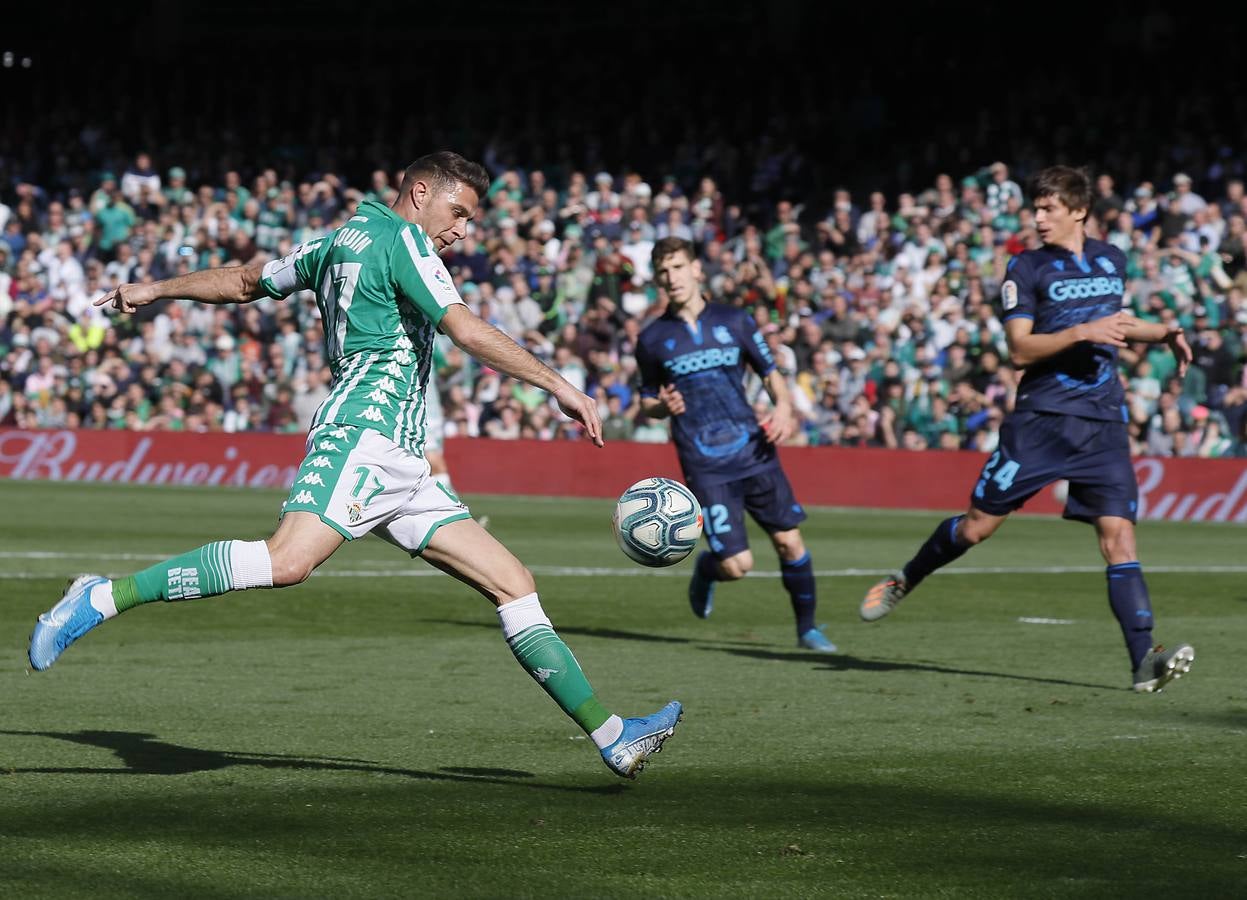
1003,478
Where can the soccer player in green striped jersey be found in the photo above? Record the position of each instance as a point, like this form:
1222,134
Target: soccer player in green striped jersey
383,291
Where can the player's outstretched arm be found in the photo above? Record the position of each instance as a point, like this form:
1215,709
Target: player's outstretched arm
228,284
1027,348
486,343
1159,332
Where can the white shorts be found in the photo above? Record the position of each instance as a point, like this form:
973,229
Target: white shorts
434,419
359,481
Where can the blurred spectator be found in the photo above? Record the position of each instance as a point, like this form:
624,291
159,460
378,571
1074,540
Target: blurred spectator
882,316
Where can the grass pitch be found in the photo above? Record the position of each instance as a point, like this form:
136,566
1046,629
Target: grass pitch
368,734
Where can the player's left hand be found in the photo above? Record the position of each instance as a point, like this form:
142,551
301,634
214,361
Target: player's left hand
583,409
779,425
1181,350
126,298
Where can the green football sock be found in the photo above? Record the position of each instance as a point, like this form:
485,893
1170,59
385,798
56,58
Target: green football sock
544,656
548,660
200,573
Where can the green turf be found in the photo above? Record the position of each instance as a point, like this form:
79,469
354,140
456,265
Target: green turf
373,737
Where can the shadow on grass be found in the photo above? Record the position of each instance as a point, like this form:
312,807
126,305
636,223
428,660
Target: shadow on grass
610,633
837,662
144,754
917,831
840,662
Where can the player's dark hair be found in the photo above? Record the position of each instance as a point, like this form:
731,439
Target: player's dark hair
1069,185
669,246
445,167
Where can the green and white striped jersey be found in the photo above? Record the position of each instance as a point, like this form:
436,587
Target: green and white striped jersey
382,290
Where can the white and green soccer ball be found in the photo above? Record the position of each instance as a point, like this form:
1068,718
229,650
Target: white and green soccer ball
657,522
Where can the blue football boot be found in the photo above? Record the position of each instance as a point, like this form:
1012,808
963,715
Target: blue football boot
641,738
64,623
815,640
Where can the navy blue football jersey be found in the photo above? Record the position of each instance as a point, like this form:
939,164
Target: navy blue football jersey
1058,289
717,437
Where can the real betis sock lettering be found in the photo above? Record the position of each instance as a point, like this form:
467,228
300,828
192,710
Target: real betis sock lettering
548,660
798,578
209,570
941,548
1132,606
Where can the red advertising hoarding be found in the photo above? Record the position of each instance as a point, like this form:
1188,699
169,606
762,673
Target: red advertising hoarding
1213,490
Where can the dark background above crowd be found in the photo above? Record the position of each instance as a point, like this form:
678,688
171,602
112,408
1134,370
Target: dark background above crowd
865,96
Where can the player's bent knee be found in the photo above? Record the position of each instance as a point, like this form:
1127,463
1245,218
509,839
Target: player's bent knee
290,571
974,530
736,567
1117,550
971,536
790,547
516,585
290,568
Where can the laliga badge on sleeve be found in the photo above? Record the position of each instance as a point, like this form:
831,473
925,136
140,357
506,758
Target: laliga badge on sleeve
1009,294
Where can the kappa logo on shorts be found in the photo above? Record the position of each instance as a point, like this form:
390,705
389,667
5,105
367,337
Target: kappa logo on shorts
355,512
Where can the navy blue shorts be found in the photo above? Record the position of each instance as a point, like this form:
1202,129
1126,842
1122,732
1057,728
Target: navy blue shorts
767,496
1038,448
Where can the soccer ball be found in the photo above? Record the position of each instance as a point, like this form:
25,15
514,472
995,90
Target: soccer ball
657,522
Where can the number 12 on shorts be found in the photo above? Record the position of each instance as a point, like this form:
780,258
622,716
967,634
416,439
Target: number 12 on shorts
1003,477
715,520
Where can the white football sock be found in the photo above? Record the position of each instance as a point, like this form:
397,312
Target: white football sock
607,733
520,614
102,601
250,564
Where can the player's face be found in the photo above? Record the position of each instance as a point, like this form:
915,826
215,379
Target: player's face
680,277
447,210
1056,222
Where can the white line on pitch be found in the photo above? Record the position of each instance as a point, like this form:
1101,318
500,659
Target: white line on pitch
611,571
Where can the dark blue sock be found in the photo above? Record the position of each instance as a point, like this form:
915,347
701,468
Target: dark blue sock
941,548
1127,595
798,578
708,566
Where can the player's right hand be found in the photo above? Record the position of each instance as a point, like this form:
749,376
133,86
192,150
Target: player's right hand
1110,330
672,399
125,298
579,406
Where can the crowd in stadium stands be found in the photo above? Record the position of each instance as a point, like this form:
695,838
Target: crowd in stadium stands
881,310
